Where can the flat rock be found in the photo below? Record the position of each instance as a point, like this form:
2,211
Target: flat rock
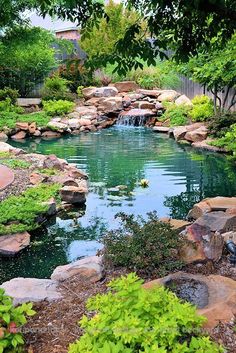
19,135
111,104
201,244
51,134
24,290
161,129
206,146
229,236
12,244
218,203
90,268
218,221
99,92
197,135
73,194
149,92
137,112
179,132
58,126
22,126
126,86
221,295
177,224
7,177
28,102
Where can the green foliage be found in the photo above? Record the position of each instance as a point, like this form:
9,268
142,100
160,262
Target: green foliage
59,107
27,57
203,108
176,114
132,319
48,171
147,246
228,142
9,119
11,320
221,123
7,92
19,213
79,91
56,88
15,163
7,106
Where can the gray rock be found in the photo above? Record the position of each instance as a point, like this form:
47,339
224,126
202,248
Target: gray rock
218,221
90,268
24,290
73,194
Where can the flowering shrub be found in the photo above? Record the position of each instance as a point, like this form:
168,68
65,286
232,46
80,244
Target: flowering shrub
11,320
132,319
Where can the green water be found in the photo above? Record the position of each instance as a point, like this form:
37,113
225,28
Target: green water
178,175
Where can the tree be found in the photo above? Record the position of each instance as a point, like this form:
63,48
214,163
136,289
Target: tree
183,25
216,71
12,12
27,56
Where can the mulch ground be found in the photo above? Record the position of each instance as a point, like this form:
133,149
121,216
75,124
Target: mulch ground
55,325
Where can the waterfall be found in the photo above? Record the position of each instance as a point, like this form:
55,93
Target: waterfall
134,117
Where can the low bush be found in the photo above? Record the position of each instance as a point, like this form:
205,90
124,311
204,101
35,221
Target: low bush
203,108
148,246
9,119
220,124
132,319
7,106
15,163
176,114
19,213
11,320
228,142
56,88
7,92
60,107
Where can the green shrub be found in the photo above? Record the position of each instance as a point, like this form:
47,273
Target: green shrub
203,108
146,246
176,114
59,107
9,119
7,92
79,91
19,213
56,88
132,319
228,142
220,124
11,320
7,106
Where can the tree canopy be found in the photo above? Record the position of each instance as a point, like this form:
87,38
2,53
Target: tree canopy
12,11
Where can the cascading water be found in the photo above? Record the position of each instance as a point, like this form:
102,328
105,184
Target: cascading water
134,117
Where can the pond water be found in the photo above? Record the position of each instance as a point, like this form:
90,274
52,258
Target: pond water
178,175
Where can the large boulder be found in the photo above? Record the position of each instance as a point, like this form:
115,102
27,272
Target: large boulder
99,92
51,162
90,268
218,203
197,135
111,104
73,194
21,135
24,290
216,294
167,96
218,221
183,100
201,244
179,132
22,126
206,146
57,126
74,123
126,86
3,136
12,244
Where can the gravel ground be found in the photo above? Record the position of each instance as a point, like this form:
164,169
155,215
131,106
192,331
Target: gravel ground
20,184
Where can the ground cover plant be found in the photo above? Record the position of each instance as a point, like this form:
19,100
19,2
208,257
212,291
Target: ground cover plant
9,119
132,319
59,107
11,320
14,163
228,141
203,108
148,246
176,115
19,213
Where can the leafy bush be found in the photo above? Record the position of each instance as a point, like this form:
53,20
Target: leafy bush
7,106
19,213
11,319
132,319
220,124
59,107
228,142
9,119
146,246
15,163
79,91
56,88
203,108
176,114
7,92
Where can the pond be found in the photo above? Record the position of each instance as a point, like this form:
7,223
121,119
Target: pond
178,175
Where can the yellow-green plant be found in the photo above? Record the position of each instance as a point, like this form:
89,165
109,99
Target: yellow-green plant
59,107
202,109
132,319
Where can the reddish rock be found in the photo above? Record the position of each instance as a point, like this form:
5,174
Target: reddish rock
22,126
84,122
73,194
32,128
177,224
11,244
197,135
52,161
167,96
7,177
150,92
126,86
218,203
75,173
218,221
179,132
3,136
111,104
51,207
36,178
51,134
161,129
19,135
